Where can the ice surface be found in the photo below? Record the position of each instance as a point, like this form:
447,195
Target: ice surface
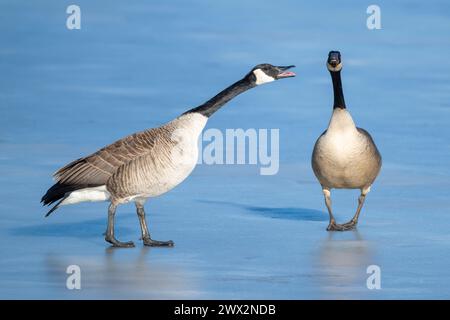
64,94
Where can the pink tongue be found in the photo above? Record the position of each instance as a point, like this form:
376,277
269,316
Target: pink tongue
287,74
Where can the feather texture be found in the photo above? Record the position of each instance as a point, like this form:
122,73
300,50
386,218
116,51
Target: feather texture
145,163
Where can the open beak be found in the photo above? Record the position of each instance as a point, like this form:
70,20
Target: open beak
284,73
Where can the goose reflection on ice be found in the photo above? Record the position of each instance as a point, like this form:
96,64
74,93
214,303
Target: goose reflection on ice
122,276
341,265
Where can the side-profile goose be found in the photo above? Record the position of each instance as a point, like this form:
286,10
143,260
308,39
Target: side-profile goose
344,156
149,163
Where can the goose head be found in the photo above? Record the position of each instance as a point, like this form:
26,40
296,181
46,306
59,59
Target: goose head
334,62
265,72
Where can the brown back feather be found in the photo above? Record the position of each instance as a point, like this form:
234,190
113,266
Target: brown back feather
98,167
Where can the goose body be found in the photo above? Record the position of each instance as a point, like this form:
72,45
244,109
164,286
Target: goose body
344,156
146,164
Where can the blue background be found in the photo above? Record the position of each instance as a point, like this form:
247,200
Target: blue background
138,64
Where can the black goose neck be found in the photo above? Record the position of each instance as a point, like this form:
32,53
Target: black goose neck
339,101
215,103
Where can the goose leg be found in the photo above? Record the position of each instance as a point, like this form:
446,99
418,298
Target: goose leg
352,223
109,237
332,226
146,238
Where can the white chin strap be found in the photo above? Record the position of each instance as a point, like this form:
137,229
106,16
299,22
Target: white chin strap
337,68
262,77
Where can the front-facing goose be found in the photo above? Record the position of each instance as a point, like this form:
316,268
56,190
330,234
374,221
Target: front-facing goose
146,164
344,156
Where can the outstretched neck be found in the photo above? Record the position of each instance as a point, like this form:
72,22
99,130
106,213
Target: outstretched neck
216,102
337,89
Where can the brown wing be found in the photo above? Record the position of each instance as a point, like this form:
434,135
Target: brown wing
371,144
98,167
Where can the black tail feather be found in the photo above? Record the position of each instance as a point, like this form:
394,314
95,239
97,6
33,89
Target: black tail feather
58,192
56,206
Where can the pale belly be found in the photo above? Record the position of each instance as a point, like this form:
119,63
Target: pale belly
160,176
182,165
344,162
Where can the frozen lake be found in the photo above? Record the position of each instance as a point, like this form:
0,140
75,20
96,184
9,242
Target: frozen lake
238,234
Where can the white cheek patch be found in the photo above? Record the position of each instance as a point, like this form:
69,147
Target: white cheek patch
337,68
261,77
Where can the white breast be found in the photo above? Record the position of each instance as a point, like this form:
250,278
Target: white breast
342,139
183,155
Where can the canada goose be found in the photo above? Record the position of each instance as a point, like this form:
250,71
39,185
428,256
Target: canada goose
146,164
344,156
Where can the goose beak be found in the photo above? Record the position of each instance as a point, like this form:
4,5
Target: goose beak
284,73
